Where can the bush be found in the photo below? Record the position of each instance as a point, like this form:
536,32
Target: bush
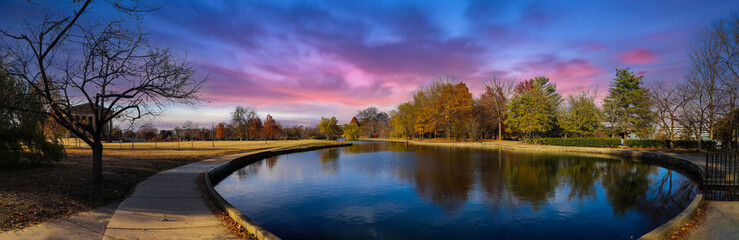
692,144
577,142
708,144
685,144
27,145
615,142
647,143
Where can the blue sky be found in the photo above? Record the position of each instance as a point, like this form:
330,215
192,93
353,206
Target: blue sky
300,60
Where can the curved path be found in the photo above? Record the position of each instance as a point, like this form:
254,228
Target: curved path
168,205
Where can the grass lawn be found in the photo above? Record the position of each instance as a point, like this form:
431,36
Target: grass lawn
31,195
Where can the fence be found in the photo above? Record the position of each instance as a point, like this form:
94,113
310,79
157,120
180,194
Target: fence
722,175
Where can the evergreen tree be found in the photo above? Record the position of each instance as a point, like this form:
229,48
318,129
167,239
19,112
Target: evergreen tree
627,106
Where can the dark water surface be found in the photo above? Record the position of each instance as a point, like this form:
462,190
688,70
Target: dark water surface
382,190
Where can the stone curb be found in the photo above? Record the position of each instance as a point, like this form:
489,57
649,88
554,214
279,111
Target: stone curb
220,172
664,231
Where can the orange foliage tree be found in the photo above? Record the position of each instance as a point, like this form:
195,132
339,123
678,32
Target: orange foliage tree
221,132
270,127
443,106
255,128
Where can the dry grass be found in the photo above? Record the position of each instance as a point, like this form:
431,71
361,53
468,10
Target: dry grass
31,195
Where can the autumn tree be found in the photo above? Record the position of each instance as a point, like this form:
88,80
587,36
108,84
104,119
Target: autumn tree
270,127
627,106
329,127
580,115
403,120
443,106
221,131
459,109
532,109
107,66
351,131
428,116
255,128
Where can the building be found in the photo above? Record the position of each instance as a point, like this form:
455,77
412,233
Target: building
83,113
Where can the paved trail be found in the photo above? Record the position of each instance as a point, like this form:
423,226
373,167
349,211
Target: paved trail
168,205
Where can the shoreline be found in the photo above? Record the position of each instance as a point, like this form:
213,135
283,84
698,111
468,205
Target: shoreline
216,174
677,162
692,165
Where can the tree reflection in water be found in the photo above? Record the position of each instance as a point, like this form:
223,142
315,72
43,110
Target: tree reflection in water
445,176
329,163
385,186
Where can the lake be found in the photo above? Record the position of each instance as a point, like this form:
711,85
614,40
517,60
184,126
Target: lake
387,190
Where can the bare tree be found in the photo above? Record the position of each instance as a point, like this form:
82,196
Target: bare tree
372,120
726,34
492,103
668,100
108,68
240,119
704,82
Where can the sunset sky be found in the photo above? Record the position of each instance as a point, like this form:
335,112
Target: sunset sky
300,60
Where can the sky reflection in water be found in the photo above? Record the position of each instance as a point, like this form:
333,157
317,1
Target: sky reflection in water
398,191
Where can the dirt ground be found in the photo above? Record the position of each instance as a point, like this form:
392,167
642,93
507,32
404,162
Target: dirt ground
32,195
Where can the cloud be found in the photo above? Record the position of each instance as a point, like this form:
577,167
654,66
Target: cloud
570,75
301,60
638,56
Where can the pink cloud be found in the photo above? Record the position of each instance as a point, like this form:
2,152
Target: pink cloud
570,75
638,56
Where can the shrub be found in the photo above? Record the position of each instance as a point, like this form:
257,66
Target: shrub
692,144
26,144
647,143
708,144
685,144
577,142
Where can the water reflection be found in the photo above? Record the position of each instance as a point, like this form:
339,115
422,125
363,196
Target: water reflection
472,189
329,163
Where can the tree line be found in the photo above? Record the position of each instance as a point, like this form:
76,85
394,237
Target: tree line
701,106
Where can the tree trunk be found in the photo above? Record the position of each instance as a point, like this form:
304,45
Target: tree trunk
97,161
500,130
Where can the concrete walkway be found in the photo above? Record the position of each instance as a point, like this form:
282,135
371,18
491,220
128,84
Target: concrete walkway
721,221
169,205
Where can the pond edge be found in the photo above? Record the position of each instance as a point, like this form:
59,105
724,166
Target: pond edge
219,173
662,232
216,174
